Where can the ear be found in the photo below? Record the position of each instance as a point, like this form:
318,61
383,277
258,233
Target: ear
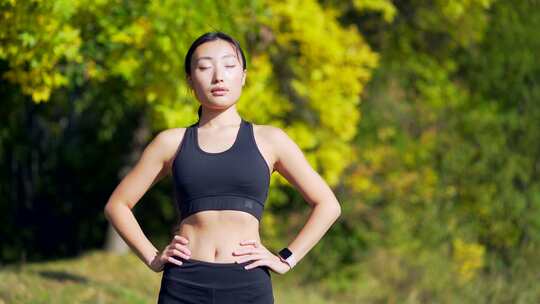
189,81
244,74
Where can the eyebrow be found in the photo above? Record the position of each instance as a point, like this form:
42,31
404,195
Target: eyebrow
208,57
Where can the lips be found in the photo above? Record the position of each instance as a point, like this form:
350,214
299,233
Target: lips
219,90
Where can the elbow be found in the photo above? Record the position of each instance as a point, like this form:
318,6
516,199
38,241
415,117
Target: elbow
330,208
336,209
333,210
337,212
107,211
114,206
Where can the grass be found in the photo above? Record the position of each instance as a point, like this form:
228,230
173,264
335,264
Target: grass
99,277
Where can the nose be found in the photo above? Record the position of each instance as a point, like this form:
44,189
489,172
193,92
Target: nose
218,74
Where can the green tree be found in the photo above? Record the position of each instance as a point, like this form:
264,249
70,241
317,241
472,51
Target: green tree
119,68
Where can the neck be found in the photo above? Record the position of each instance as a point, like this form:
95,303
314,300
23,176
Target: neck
216,119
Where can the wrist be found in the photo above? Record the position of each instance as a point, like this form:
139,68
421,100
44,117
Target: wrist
287,256
285,262
150,258
154,263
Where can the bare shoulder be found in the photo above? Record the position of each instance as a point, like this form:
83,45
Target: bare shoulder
270,132
278,141
274,134
166,142
169,137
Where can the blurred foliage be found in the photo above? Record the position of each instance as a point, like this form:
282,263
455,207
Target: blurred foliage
130,57
445,192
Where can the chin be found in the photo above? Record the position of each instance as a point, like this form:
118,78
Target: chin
222,99
220,103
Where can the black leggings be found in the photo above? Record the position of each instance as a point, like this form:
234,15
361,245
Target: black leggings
201,282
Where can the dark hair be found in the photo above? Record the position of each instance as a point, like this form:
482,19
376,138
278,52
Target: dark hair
206,37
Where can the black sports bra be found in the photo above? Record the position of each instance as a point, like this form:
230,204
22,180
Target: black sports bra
235,179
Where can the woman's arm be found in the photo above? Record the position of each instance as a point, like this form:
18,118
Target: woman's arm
292,165
150,168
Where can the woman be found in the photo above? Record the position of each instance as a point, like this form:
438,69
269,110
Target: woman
221,167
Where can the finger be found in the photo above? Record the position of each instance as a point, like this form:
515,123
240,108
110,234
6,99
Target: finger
249,242
256,264
181,239
257,250
180,254
246,251
174,261
184,249
248,258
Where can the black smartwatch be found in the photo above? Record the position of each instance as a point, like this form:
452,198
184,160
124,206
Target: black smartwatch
287,256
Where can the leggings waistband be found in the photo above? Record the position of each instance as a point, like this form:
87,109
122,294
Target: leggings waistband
216,275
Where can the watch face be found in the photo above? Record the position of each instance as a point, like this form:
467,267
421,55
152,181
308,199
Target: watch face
285,253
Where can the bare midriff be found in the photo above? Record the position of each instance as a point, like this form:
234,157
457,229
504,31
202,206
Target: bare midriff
215,234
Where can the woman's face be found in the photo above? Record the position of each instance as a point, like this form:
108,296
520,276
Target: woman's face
217,74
